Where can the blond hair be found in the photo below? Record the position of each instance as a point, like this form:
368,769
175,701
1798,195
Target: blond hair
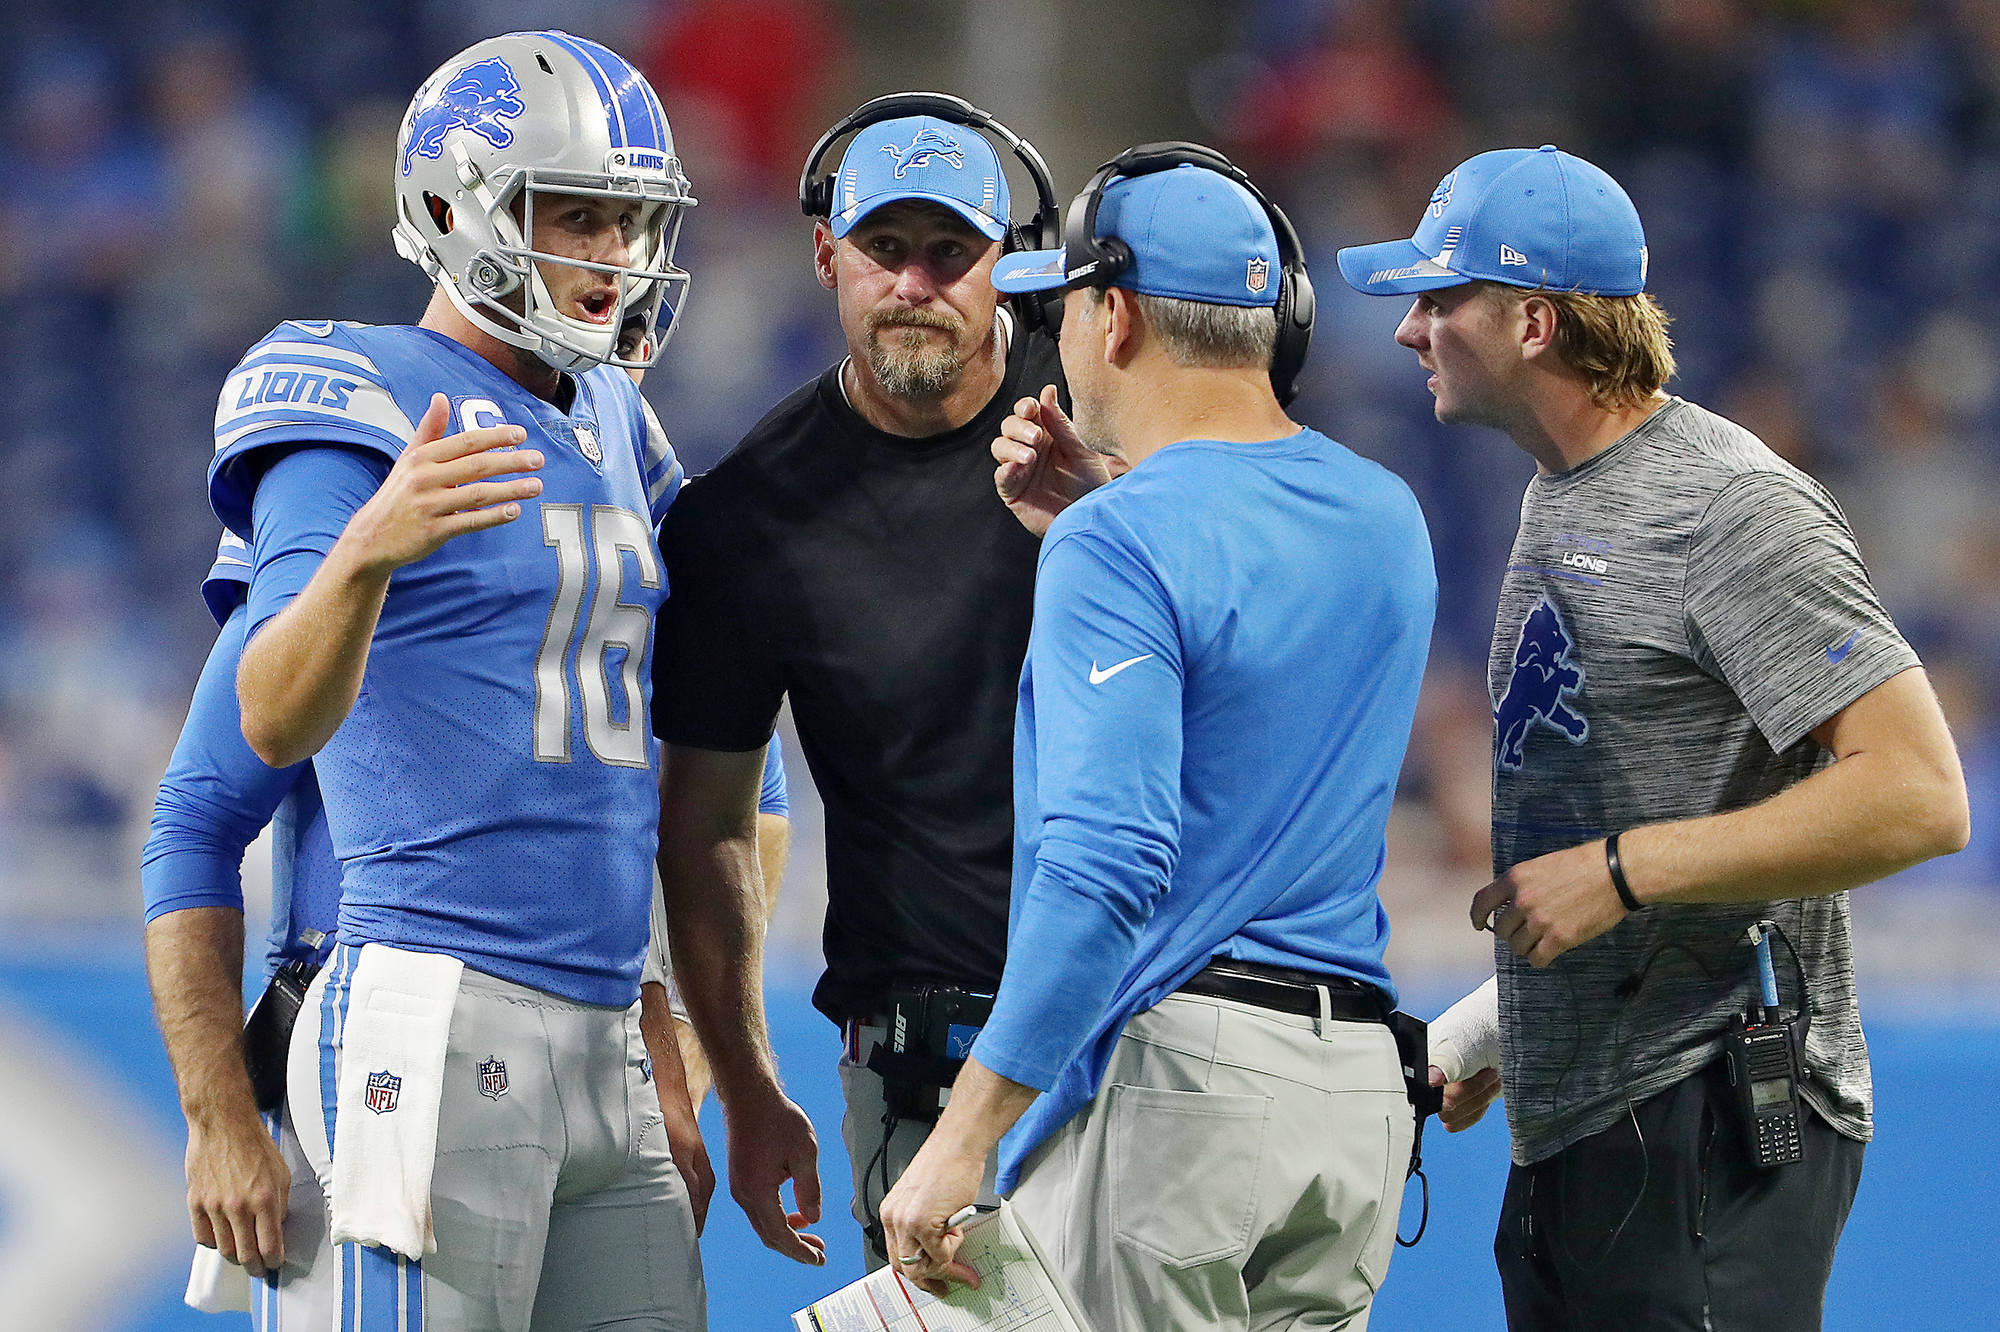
1619,344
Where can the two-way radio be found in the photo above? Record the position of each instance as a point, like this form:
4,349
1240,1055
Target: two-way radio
1764,1052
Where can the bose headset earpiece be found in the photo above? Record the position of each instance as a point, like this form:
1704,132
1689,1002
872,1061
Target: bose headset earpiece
1091,261
816,190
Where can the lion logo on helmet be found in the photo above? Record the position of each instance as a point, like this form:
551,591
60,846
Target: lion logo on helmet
479,98
930,142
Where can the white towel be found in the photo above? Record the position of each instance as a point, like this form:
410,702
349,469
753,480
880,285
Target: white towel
391,1081
216,1285
1467,1037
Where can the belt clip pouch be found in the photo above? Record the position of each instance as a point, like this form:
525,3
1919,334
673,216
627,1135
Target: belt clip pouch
953,1022
1413,1052
267,1032
915,1066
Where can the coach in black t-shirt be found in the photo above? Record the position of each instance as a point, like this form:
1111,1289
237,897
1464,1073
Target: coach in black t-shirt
851,553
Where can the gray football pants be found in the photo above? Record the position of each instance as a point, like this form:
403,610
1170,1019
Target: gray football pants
878,1164
300,1298
555,1201
1237,1170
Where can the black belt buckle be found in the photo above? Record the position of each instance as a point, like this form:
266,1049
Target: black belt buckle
267,1032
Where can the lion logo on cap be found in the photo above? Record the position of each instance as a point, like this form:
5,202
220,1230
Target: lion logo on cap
930,142
1441,196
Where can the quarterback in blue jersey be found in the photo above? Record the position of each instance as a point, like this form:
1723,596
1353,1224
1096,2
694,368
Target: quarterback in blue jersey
1227,647
450,609
214,799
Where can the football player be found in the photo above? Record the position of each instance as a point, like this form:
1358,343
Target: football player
450,610
252,1196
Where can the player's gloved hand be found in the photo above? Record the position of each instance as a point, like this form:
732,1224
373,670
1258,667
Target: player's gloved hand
238,1185
1043,464
1466,1102
440,487
943,1178
771,1141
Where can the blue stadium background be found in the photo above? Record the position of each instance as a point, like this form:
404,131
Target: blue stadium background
1821,184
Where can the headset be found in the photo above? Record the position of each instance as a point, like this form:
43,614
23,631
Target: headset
1093,261
816,191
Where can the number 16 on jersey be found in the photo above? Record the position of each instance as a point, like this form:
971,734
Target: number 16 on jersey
590,539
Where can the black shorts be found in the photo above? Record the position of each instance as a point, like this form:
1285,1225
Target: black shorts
1660,1223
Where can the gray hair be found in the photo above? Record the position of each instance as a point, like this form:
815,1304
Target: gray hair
1195,333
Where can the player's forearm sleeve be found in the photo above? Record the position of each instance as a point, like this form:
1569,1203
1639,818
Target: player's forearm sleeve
215,798
1466,1037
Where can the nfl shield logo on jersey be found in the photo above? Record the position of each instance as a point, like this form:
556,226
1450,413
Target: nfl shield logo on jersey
493,1077
383,1089
1259,275
586,440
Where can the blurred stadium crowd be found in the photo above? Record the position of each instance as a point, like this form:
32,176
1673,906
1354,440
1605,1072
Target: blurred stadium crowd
1820,181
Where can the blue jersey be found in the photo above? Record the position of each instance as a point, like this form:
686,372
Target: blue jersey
493,794
1227,648
217,796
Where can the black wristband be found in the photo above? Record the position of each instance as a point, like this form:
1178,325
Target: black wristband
1617,868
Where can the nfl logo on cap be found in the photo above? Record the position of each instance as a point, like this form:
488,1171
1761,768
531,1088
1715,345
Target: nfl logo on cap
383,1089
1258,275
493,1077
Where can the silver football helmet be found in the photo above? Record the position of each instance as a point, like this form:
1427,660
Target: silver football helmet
541,113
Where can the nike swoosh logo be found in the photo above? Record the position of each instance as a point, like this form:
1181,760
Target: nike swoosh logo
1839,654
1098,677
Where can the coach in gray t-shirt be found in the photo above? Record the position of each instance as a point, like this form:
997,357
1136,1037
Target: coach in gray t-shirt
1703,718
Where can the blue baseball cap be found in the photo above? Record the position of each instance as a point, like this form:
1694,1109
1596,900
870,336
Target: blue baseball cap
1528,217
921,157
1195,235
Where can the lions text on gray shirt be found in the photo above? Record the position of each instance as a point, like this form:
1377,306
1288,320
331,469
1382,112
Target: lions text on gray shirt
1678,614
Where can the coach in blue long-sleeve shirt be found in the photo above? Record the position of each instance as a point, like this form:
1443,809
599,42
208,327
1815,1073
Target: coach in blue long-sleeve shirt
1208,1125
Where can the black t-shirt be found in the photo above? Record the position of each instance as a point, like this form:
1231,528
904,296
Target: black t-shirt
880,583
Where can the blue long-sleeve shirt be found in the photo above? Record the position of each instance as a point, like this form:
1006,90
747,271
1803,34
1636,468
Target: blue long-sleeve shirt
1227,649
215,798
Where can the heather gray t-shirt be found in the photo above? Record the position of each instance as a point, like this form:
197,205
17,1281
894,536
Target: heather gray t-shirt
1678,614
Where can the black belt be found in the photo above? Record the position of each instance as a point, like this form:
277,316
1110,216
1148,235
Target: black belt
1288,990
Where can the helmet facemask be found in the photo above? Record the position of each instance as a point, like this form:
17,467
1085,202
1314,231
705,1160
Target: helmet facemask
504,274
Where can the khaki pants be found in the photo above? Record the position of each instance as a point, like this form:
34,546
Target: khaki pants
1237,1170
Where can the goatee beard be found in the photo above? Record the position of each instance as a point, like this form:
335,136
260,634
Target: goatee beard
905,362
